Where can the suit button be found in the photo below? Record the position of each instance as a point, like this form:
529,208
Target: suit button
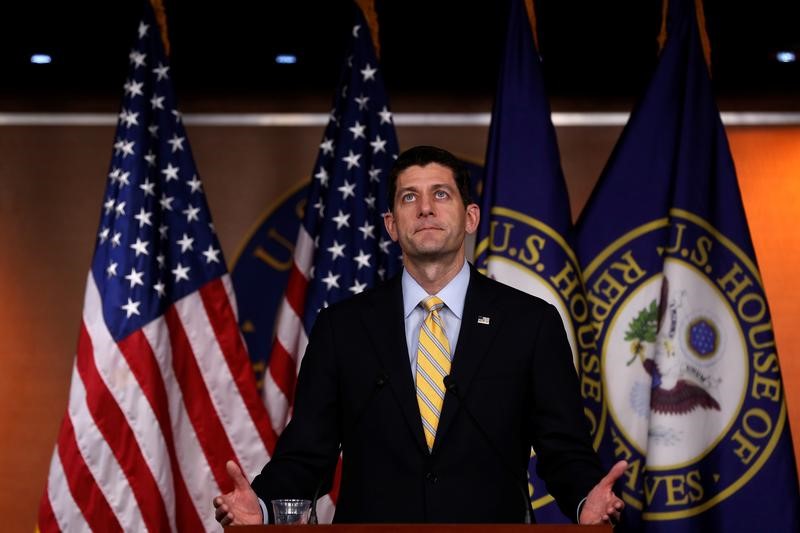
430,476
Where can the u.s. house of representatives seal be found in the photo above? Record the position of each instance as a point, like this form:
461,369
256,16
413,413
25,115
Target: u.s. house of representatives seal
683,373
531,256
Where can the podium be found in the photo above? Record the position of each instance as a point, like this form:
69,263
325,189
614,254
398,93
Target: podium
423,528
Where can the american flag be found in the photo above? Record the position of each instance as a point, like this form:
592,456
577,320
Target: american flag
342,247
162,392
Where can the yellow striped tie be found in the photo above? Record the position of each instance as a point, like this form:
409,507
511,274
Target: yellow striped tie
433,364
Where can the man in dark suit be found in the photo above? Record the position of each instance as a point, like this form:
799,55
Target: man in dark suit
434,386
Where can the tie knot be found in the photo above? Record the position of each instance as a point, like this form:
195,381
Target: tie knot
432,303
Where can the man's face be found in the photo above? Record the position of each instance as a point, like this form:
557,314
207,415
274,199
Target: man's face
428,217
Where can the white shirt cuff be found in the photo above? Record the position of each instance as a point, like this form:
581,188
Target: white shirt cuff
578,516
265,515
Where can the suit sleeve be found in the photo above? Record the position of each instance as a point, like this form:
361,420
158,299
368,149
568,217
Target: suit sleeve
566,460
306,452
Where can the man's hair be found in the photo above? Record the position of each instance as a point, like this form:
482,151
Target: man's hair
424,155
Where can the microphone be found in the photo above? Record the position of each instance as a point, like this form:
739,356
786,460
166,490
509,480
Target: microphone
380,380
452,388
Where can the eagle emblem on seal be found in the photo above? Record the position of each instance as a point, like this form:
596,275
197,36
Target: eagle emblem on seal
676,386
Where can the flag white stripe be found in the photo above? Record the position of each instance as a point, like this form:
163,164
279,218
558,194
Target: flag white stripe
276,402
124,387
66,511
192,462
228,284
223,392
257,463
325,509
260,454
100,460
291,335
290,332
304,252
301,348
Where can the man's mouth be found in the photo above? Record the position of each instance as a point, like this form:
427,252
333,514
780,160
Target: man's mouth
425,228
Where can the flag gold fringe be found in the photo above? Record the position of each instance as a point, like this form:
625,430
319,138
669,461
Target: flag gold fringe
662,35
701,25
161,18
531,9
368,8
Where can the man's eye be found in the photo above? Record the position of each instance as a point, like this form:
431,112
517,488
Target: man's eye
408,197
441,195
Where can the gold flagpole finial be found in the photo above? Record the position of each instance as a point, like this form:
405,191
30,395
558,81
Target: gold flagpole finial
531,9
701,26
161,19
368,8
662,34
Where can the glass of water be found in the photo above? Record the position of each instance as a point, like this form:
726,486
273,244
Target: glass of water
291,511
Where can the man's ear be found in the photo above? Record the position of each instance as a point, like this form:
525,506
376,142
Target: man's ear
391,227
473,218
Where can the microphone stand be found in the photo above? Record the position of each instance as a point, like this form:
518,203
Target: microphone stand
381,380
452,388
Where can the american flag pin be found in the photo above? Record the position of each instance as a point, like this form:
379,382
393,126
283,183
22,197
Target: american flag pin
483,320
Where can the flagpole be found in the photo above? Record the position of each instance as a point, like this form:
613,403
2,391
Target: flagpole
161,20
367,7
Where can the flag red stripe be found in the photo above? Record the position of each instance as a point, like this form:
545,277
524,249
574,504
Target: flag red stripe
47,519
221,316
202,413
111,422
282,363
142,362
337,477
82,485
282,368
296,288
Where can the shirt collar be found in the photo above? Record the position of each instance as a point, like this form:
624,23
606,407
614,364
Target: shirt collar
453,294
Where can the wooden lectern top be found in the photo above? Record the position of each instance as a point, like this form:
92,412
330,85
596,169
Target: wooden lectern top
427,528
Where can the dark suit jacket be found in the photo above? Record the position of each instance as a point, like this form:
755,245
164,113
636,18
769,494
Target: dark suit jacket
518,386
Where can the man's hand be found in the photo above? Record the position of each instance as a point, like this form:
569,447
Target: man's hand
239,506
602,505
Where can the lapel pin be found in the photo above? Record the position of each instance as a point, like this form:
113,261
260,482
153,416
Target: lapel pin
483,320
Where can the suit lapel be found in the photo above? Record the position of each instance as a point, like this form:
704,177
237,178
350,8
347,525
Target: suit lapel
385,324
473,344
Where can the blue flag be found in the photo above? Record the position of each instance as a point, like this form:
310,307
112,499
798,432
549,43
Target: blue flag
686,380
524,235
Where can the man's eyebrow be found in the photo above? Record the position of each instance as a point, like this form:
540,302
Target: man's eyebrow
407,188
442,185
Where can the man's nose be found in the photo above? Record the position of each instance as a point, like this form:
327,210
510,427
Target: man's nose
425,206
